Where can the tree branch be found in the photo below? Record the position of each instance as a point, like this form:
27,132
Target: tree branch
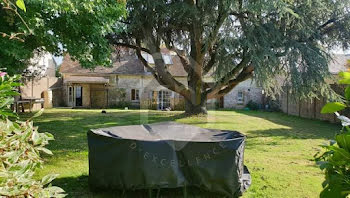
223,81
244,75
211,62
166,79
144,62
184,60
132,46
223,14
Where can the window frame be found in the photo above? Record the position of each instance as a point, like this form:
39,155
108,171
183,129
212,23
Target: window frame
135,95
165,56
240,97
70,94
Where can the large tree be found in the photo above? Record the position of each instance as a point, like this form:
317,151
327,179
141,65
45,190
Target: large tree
57,26
234,40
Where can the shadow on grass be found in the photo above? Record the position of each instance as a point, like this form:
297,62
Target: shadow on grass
70,130
79,187
300,128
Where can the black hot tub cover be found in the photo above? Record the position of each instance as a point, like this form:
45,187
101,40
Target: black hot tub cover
167,155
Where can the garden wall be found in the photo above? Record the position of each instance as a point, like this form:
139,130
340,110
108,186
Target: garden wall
308,108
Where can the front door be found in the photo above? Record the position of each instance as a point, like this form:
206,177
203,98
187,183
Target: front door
163,99
78,96
75,96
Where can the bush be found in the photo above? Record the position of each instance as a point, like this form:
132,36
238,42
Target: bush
335,161
122,105
8,89
20,148
274,106
252,105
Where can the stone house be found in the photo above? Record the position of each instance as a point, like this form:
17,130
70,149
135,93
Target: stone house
127,81
40,84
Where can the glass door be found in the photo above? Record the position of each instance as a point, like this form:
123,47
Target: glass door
78,96
70,95
163,99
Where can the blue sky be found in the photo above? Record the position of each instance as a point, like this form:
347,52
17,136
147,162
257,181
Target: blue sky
58,59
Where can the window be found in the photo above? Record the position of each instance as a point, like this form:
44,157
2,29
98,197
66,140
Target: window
164,99
70,94
148,58
135,94
167,59
240,97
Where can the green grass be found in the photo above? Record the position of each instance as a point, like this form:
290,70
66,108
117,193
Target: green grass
279,151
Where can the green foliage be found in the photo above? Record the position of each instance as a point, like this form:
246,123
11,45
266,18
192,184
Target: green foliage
8,86
277,37
57,26
345,78
252,105
122,105
20,148
332,107
121,94
335,161
21,5
347,93
58,73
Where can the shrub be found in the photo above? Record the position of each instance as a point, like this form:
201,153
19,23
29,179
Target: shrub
274,105
122,105
335,161
8,86
252,105
20,147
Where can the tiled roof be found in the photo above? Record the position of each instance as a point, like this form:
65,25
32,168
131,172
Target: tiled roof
85,79
131,66
127,65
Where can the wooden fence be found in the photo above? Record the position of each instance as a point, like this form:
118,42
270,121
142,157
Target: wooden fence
308,108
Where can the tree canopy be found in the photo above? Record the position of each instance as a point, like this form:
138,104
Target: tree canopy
238,39
78,27
230,40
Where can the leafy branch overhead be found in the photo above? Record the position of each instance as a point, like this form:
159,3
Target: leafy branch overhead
236,40
56,26
8,5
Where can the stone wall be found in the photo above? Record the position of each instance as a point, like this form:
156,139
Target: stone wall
86,94
146,86
98,96
42,88
251,92
57,97
101,96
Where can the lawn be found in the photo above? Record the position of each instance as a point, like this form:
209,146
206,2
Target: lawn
279,151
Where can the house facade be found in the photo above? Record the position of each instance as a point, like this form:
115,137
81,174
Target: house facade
128,83
40,83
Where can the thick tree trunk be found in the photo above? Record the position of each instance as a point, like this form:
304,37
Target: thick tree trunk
197,102
195,109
